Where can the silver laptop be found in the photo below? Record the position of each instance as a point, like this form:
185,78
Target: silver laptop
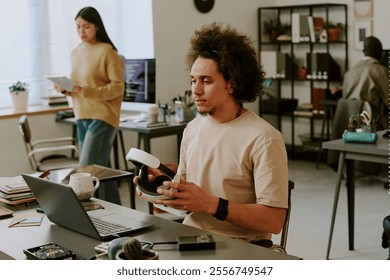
62,207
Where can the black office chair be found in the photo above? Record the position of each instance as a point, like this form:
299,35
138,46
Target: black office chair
281,247
49,154
386,234
283,238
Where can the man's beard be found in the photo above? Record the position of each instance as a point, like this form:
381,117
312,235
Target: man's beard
207,113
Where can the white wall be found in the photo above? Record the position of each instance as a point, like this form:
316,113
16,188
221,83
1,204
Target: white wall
174,23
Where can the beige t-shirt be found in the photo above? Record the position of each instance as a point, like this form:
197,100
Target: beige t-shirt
243,161
99,70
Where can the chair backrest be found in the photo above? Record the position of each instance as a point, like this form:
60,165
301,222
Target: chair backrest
24,129
283,238
344,110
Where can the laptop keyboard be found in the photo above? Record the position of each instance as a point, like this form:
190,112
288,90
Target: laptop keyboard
107,228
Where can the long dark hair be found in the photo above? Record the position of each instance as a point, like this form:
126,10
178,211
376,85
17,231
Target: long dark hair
91,15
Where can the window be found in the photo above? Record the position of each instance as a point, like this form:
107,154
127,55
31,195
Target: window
38,36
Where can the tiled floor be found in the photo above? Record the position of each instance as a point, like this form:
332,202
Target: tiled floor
312,202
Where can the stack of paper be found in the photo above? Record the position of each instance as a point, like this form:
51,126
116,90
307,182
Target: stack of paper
14,191
55,100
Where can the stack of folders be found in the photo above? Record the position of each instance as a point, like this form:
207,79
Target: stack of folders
14,191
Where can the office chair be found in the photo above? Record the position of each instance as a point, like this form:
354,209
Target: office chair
344,109
283,237
49,154
281,247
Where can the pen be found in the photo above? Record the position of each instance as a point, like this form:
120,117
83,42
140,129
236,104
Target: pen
45,174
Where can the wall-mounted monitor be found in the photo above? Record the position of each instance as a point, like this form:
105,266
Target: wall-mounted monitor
140,84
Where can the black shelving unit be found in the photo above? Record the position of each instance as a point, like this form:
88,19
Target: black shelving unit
283,106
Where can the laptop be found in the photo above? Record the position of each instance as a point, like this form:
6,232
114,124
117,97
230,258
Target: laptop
62,206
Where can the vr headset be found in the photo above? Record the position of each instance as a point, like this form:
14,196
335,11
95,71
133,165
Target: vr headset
143,160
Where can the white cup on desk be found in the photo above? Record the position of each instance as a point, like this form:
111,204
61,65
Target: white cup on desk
153,114
83,186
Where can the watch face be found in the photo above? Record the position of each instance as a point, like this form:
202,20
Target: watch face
204,6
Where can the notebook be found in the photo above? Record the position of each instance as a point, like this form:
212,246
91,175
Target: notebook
62,207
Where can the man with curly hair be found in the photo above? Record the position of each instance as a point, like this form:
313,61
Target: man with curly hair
233,164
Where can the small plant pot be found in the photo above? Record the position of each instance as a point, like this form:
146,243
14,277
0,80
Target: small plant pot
147,254
334,34
20,100
273,36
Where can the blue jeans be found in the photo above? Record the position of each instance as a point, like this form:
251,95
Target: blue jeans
95,140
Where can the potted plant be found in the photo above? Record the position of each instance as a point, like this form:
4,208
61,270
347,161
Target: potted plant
131,249
19,94
334,31
274,28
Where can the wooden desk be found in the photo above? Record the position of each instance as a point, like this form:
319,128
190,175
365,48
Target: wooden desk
349,152
14,240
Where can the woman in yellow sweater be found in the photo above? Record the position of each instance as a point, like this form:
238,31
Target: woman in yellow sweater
98,71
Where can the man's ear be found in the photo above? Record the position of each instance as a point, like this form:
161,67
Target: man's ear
230,88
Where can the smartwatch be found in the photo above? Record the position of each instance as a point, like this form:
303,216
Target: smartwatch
222,209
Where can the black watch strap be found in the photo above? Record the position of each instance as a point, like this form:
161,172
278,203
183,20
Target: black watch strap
222,209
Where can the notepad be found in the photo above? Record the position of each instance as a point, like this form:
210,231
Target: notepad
5,212
62,81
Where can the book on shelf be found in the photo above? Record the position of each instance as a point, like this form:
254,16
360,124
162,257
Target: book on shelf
277,64
316,95
328,67
283,66
322,66
299,28
310,21
269,61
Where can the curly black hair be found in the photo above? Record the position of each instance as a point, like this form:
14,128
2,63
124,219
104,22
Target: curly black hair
235,55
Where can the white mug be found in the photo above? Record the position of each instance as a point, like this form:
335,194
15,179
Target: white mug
82,184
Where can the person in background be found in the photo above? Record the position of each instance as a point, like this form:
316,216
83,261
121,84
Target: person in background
368,80
98,71
233,164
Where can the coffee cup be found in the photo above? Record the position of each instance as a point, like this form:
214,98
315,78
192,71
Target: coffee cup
83,186
153,114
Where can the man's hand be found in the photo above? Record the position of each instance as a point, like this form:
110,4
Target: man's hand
188,196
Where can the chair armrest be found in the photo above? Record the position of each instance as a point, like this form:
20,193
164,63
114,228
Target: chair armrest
53,140
53,149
